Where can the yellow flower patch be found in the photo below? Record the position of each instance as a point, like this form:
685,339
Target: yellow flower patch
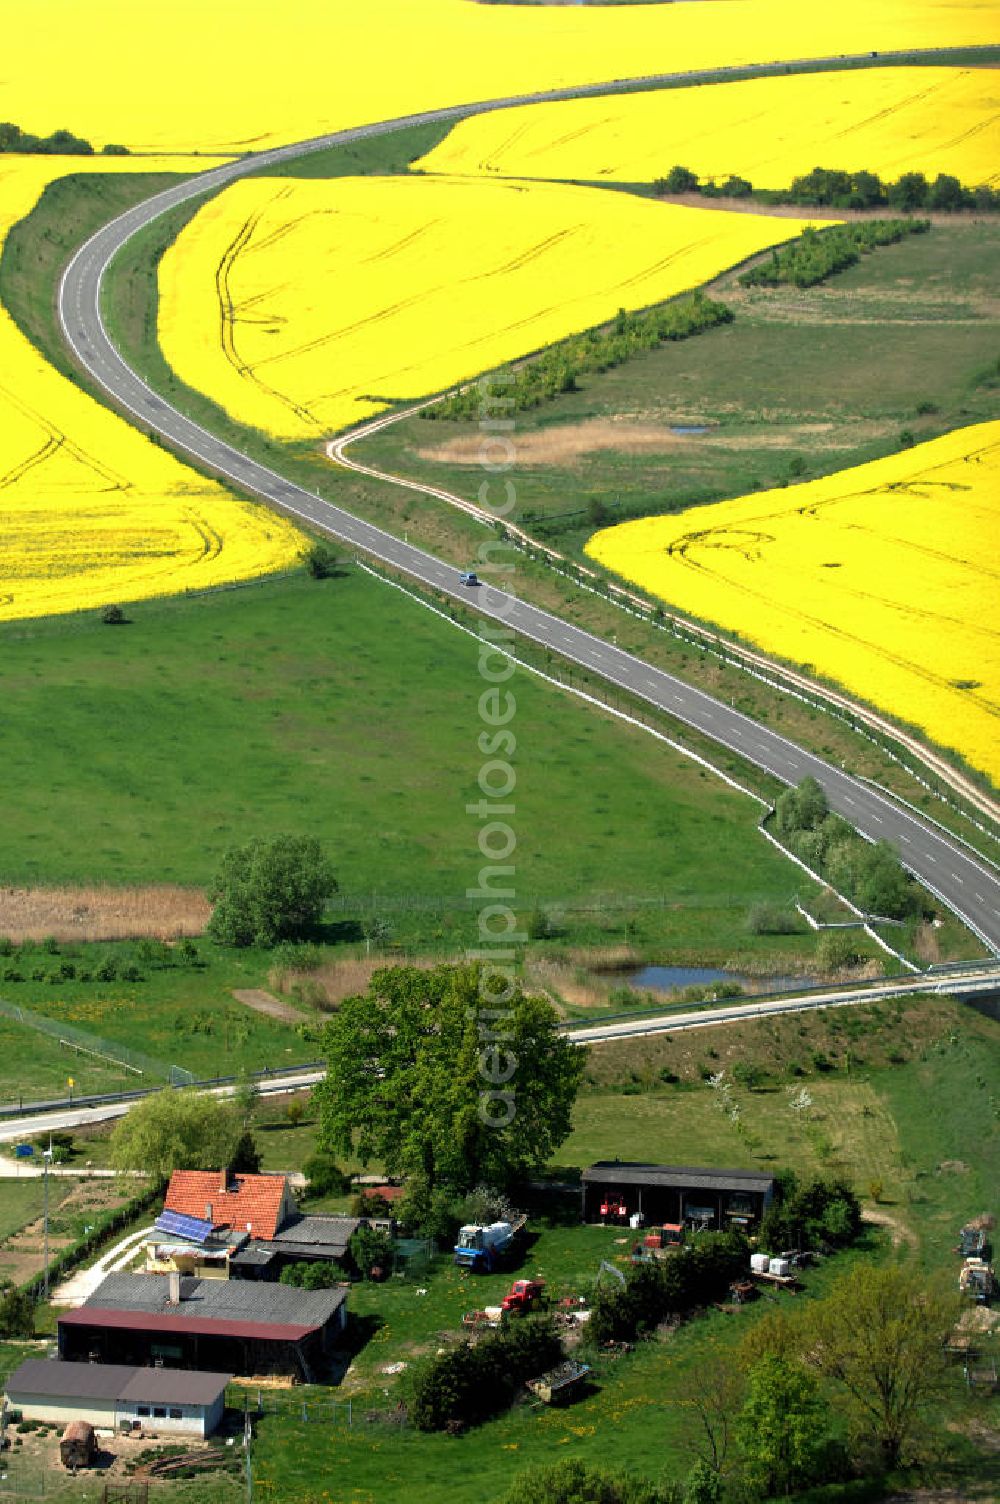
303,307
883,578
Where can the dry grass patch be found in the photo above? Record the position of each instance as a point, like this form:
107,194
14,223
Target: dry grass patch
163,912
565,443
326,986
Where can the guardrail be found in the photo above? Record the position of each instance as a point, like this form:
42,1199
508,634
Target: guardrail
102,1099
934,977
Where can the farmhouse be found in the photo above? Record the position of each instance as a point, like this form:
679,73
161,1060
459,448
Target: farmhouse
226,1226
618,1190
207,1324
116,1397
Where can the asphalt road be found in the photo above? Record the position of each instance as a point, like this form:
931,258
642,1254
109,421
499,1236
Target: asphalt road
962,881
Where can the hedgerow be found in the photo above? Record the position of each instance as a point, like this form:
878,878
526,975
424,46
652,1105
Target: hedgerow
557,369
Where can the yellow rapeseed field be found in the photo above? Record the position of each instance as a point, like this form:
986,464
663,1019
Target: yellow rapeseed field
886,120
305,306
222,76
884,578
90,511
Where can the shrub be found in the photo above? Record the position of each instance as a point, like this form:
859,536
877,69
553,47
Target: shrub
773,919
320,561
113,616
371,1249
324,1177
701,1272
466,1385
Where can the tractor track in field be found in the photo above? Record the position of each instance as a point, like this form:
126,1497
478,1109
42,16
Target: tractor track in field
965,882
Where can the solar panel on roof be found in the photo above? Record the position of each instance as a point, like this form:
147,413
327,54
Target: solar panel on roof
195,1229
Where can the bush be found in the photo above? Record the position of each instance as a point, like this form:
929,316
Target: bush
838,948
573,1482
321,561
113,616
371,1250
773,919
466,1385
311,1276
17,1313
324,1177
701,1272
816,1213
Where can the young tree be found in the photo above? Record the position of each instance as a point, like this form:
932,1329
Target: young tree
782,1427
179,1130
269,891
879,1336
435,1081
17,1313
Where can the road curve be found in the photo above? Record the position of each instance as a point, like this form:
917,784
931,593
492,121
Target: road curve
965,883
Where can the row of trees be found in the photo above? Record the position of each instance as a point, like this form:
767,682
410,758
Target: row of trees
826,187
61,143
818,254
870,875
557,369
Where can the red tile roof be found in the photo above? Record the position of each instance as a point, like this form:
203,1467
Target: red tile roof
251,1203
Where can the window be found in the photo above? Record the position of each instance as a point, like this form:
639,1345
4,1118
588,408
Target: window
176,1413
142,1409
159,1412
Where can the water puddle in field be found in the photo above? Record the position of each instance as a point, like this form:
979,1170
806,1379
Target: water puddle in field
683,429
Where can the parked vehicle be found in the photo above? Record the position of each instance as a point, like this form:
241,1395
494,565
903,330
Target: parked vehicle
480,1248
524,1295
977,1281
971,1242
468,578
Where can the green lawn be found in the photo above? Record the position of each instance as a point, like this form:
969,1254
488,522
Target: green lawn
343,710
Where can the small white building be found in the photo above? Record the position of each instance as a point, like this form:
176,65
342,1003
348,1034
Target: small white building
119,1397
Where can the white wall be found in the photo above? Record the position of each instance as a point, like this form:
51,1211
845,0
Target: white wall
100,1413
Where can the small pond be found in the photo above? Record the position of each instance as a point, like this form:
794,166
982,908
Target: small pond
666,978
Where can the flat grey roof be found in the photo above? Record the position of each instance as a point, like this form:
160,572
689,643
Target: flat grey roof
53,1378
614,1172
329,1235
217,1299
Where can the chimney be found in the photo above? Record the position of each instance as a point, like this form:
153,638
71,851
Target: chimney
224,1179
174,1287
208,1211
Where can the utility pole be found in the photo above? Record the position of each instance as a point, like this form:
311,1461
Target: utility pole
46,1159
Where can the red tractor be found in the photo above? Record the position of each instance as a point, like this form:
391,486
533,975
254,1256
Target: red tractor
524,1295
613,1209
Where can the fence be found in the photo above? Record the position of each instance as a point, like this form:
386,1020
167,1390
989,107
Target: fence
108,1051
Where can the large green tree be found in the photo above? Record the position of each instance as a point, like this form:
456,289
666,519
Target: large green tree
879,1336
268,891
432,1078
182,1130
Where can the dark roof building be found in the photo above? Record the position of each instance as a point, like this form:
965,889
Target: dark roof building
245,1327
617,1190
116,1395
312,1238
